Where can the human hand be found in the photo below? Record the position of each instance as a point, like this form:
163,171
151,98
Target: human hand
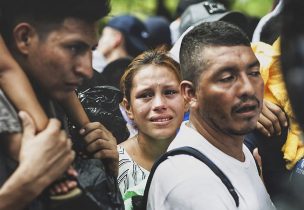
272,119
44,156
102,145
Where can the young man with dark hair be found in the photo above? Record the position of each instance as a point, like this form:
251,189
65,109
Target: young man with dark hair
52,42
224,89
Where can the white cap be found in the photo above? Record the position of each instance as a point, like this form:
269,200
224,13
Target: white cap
174,52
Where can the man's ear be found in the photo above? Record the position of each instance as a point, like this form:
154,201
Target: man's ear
128,108
24,36
188,93
118,39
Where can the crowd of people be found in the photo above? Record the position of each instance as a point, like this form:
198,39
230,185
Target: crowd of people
82,126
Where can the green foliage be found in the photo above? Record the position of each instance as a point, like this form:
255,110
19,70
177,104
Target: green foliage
256,8
145,8
141,8
171,6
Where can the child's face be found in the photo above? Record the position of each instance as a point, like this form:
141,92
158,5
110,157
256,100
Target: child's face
156,105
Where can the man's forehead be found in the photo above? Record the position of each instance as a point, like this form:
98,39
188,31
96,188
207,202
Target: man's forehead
224,52
217,57
71,23
77,28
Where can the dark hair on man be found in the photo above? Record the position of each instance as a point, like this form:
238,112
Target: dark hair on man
38,12
207,34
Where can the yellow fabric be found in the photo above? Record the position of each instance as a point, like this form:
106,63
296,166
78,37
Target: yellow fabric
275,91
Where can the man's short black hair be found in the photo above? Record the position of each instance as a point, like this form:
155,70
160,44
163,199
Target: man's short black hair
49,11
207,34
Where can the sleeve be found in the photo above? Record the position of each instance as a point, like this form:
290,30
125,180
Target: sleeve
8,117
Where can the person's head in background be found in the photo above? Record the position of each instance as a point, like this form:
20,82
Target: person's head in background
209,11
183,5
174,26
152,96
52,40
205,11
221,77
123,36
159,31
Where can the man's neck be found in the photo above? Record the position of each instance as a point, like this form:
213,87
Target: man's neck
115,54
231,145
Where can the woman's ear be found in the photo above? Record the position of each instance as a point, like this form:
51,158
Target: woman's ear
24,34
188,93
128,108
186,106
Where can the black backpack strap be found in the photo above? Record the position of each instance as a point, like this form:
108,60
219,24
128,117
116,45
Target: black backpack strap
198,155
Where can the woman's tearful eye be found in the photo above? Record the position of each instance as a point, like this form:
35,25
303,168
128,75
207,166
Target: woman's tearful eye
170,92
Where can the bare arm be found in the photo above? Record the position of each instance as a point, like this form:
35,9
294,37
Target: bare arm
74,110
16,193
21,92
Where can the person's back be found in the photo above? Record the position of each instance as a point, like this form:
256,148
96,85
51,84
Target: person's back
174,26
224,88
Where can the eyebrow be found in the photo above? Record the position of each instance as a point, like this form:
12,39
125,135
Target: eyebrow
168,85
232,68
255,63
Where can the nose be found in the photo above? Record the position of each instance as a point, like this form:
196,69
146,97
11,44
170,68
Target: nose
84,65
159,103
246,87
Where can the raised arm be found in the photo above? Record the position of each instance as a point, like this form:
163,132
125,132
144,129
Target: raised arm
18,89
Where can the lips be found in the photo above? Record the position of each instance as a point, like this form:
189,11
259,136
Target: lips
74,84
161,119
246,108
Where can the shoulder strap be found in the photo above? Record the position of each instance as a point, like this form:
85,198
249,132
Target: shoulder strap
198,155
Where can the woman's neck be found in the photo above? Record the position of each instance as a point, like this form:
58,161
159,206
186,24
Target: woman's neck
144,150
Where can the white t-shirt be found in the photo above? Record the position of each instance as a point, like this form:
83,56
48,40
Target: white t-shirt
183,182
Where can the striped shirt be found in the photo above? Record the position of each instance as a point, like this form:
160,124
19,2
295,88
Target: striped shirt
130,173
